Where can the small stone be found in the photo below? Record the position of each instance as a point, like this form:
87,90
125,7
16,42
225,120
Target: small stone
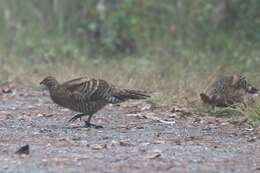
24,150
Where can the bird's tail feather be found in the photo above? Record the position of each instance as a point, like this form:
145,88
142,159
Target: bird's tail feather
125,94
134,94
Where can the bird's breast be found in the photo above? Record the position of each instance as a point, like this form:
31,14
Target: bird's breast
60,98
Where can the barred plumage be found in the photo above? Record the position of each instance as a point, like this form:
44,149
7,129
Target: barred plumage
228,90
88,95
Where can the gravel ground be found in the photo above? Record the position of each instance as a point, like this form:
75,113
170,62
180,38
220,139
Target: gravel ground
135,138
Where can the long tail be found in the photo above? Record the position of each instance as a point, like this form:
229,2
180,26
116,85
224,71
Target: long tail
133,94
125,94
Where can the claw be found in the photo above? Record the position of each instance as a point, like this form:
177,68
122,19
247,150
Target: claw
78,116
89,125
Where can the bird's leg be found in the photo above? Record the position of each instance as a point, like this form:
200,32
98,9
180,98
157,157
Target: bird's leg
88,124
78,116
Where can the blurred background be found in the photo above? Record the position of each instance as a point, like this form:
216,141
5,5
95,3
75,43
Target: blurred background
173,47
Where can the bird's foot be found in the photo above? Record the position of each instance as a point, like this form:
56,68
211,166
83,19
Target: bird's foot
89,125
78,116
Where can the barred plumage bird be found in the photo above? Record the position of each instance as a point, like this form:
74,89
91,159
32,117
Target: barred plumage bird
228,90
88,96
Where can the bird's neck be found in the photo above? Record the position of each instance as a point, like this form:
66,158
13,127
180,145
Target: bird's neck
53,89
54,93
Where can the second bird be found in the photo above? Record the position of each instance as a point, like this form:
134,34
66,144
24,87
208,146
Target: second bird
228,90
88,96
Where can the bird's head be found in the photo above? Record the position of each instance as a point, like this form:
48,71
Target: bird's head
49,82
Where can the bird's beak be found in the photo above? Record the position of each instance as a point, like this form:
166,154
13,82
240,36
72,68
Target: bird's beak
42,86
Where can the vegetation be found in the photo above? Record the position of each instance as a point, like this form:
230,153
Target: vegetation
173,47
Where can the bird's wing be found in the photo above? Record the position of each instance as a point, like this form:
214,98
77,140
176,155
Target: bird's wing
100,90
87,89
218,87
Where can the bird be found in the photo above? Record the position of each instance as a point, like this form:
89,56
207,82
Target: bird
88,95
227,91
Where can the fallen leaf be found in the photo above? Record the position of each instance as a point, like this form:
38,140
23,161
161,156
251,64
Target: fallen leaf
253,139
154,154
159,142
239,121
98,146
124,143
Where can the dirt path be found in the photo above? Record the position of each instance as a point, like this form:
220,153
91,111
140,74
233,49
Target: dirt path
127,143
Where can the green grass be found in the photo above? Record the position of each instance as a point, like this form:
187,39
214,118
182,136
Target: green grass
173,78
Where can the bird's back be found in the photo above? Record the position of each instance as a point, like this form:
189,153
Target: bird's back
87,89
229,90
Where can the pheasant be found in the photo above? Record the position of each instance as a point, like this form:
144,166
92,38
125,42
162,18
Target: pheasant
88,96
228,90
